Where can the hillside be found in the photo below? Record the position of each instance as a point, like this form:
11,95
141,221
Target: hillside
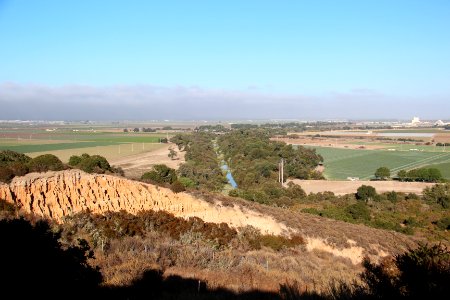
55,195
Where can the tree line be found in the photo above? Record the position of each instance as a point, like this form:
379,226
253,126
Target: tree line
14,164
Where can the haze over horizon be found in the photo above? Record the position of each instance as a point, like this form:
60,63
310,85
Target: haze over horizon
230,60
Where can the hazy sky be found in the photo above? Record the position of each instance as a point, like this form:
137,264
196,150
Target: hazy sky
224,59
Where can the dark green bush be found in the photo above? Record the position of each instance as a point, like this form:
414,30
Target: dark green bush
45,162
8,156
444,223
74,160
366,193
439,193
160,174
92,164
359,211
6,174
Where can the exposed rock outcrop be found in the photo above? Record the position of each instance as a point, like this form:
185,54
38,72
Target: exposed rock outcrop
58,194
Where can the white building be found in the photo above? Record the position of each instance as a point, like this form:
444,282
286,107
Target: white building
415,121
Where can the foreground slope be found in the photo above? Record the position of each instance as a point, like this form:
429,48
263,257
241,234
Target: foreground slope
55,195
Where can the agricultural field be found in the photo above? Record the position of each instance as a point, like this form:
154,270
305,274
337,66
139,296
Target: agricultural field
64,142
342,163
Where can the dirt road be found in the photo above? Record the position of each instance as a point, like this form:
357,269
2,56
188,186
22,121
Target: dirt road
136,165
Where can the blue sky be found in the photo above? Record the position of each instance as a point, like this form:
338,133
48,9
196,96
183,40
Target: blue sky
332,53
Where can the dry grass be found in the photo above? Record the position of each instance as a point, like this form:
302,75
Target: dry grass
234,269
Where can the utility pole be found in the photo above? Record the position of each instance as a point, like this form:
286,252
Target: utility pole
281,171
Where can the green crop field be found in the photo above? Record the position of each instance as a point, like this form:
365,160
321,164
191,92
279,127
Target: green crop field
64,143
342,163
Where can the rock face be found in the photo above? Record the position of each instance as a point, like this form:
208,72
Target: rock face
58,194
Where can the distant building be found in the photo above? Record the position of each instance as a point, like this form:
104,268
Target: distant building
440,123
415,121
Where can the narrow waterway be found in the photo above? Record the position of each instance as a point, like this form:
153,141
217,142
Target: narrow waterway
223,165
229,176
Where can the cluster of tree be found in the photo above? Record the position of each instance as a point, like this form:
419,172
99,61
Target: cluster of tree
254,158
439,193
443,144
140,129
421,174
17,164
148,130
163,175
212,128
202,165
408,140
303,126
272,194
93,164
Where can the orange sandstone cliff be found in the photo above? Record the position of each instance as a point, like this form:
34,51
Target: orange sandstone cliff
58,194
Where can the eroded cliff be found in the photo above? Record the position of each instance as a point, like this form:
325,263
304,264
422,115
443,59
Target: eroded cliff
58,194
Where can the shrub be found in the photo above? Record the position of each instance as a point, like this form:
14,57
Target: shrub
74,160
186,182
233,193
439,193
45,162
92,164
359,211
8,156
392,196
422,273
160,174
444,223
275,242
366,193
6,174
177,187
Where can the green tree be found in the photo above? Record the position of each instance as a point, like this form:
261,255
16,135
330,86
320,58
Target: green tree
402,175
383,173
172,153
366,193
160,174
439,193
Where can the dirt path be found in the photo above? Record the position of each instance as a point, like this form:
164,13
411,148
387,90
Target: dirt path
136,165
347,187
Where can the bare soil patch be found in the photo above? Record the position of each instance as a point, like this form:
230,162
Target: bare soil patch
136,165
346,187
329,142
